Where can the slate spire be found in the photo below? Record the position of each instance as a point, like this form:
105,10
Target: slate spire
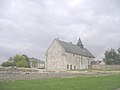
79,43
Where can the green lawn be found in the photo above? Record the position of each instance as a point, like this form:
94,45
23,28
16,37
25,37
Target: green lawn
78,83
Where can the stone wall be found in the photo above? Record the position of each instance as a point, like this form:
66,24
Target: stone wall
27,74
55,57
76,62
106,67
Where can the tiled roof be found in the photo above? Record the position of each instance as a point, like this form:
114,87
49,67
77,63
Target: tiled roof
75,49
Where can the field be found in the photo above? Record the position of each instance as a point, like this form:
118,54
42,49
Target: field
78,83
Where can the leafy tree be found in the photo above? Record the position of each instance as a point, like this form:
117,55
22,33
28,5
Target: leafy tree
10,60
21,60
118,50
34,63
22,63
18,60
112,57
27,59
7,64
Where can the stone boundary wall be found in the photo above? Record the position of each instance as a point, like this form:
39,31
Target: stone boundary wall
108,67
11,76
12,69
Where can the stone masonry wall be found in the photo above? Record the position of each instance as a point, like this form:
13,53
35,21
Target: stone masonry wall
77,62
106,67
55,58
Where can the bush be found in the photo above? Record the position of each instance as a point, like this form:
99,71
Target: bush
7,64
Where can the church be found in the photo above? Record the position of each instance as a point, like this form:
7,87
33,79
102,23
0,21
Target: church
62,55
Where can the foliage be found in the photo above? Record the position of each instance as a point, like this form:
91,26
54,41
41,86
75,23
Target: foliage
112,57
34,63
27,59
10,59
7,64
22,63
78,83
18,60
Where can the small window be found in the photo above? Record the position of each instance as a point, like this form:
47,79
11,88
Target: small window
68,67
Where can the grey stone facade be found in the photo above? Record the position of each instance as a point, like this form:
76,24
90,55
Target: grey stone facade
67,56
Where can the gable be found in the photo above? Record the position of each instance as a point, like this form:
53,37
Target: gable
55,46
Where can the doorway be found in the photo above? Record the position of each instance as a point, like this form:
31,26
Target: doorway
70,67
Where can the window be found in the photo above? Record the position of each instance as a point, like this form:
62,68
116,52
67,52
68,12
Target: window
74,68
68,67
81,61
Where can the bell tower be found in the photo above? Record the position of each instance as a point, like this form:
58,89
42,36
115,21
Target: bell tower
79,43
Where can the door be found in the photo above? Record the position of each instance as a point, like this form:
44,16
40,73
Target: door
70,67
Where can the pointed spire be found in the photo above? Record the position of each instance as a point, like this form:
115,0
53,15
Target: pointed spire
79,43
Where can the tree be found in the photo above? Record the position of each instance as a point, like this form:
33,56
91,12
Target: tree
22,63
10,60
27,59
7,64
18,60
112,57
34,63
118,60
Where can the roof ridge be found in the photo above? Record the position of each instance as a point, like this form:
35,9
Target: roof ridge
67,42
75,49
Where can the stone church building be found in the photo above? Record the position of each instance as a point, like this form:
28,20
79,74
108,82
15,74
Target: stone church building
67,56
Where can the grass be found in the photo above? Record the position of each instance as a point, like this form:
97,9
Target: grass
78,83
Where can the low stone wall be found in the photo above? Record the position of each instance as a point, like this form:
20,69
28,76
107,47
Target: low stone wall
18,69
10,76
106,67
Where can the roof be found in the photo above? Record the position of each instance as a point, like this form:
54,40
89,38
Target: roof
75,49
95,62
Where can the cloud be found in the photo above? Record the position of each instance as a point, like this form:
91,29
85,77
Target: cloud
29,26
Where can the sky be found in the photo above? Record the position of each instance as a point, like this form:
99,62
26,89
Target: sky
29,26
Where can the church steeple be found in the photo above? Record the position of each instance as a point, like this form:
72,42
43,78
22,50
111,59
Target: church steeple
79,43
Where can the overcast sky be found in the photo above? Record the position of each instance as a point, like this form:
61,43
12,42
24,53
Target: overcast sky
29,26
